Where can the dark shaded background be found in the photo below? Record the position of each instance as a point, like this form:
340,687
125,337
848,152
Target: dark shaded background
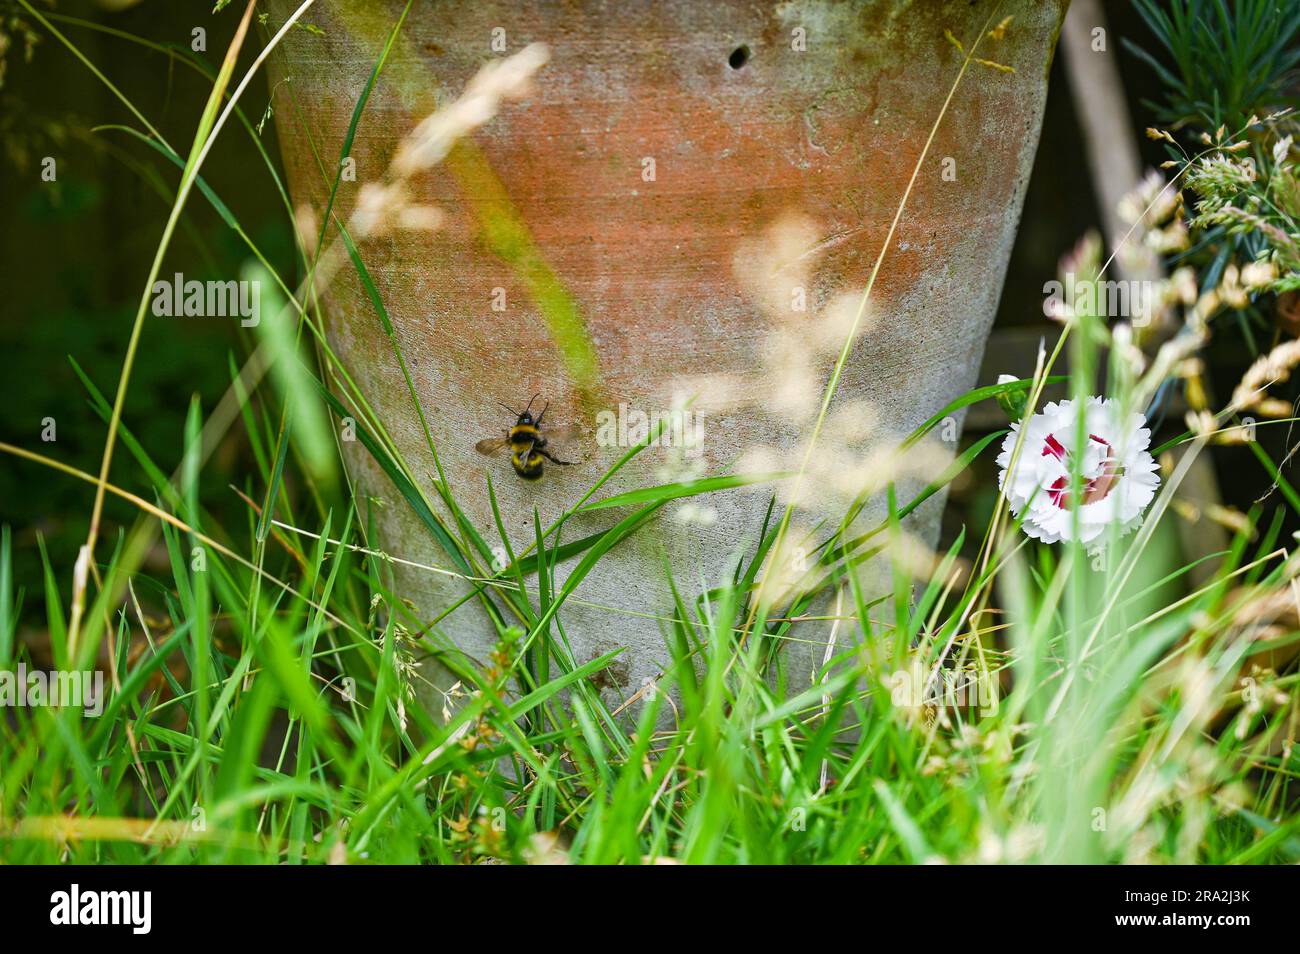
77,252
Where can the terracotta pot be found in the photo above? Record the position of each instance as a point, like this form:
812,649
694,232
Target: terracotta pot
811,114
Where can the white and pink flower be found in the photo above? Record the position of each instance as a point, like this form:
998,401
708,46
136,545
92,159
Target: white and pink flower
1118,476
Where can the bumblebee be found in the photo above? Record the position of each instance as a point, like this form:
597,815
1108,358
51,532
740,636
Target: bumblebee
527,443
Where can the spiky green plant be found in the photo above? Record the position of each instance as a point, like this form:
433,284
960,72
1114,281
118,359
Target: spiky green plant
1221,62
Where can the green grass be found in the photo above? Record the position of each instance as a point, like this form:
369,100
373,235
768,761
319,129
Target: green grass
263,690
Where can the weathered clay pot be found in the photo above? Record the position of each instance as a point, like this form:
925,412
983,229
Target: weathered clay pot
754,114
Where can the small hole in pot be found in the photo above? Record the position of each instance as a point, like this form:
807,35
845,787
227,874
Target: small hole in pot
738,58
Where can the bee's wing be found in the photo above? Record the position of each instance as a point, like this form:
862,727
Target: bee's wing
565,439
491,446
